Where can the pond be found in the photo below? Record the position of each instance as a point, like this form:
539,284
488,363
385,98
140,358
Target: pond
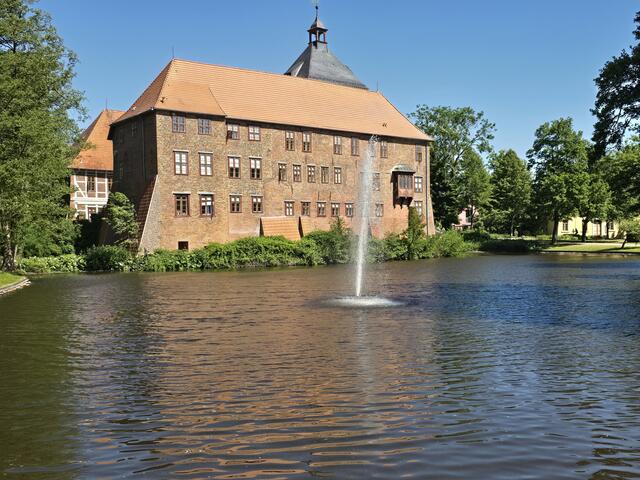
488,367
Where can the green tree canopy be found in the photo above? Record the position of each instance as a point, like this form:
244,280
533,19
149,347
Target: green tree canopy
475,185
621,170
37,133
617,107
510,191
558,157
456,131
120,214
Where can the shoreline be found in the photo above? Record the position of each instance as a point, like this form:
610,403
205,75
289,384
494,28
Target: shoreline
17,285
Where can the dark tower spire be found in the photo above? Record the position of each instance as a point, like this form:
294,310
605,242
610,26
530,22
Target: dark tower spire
317,31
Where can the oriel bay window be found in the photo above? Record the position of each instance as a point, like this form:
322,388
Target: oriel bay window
235,203
255,168
322,209
256,204
337,145
254,133
297,173
305,209
348,210
282,172
206,205
181,163
335,209
337,175
234,167
306,142
288,209
311,173
402,179
182,204
324,174
206,167
289,141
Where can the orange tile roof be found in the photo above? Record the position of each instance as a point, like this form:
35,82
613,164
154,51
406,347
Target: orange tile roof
250,95
286,227
99,154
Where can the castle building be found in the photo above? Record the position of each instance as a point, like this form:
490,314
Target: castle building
92,169
211,153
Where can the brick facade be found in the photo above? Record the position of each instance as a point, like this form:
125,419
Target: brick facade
145,152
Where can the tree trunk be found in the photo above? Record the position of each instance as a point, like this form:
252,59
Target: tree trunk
554,235
512,229
585,224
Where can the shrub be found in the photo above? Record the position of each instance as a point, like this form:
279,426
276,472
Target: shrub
108,258
447,244
506,245
69,263
395,247
333,246
167,261
475,236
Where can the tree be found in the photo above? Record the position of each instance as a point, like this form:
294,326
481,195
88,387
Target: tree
557,157
456,132
37,134
510,190
593,199
120,214
621,170
617,107
475,185
631,229
413,234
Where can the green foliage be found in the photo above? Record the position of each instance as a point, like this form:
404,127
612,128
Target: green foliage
121,217
621,170
61,233
89,233
593,199
631,229
457,132
507,245
475,185
558,158
413,234
69,263
617,106
333,246
37,132
510,192
108,258
447,244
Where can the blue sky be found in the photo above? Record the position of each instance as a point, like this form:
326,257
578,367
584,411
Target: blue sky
521,62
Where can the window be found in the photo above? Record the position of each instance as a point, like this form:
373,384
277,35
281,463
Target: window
290,141
418,153
282,172
204,126
297,173
348,209
206,168
417,184
234,167
384,149
405,182
177,123
134,128
181,161
256,204
355,146
91,183
235,203
379,209
182,204
256,168
311,173
337,175
306,209
288,209
306,142
206,205
254,133
337,145
322,209
183,245
324,174
233,131
375,181
565,225
418,206
335,209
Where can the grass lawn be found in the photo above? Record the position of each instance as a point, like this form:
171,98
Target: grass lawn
594,248
8,278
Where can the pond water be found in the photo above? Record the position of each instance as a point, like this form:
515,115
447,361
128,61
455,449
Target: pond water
489,367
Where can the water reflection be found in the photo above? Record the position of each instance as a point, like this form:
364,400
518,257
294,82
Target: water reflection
493,367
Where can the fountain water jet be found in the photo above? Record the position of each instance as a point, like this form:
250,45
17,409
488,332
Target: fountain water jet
365,190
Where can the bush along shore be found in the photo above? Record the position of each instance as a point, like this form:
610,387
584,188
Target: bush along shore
317,248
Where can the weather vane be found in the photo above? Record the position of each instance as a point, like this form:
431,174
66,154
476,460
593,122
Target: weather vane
315,3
